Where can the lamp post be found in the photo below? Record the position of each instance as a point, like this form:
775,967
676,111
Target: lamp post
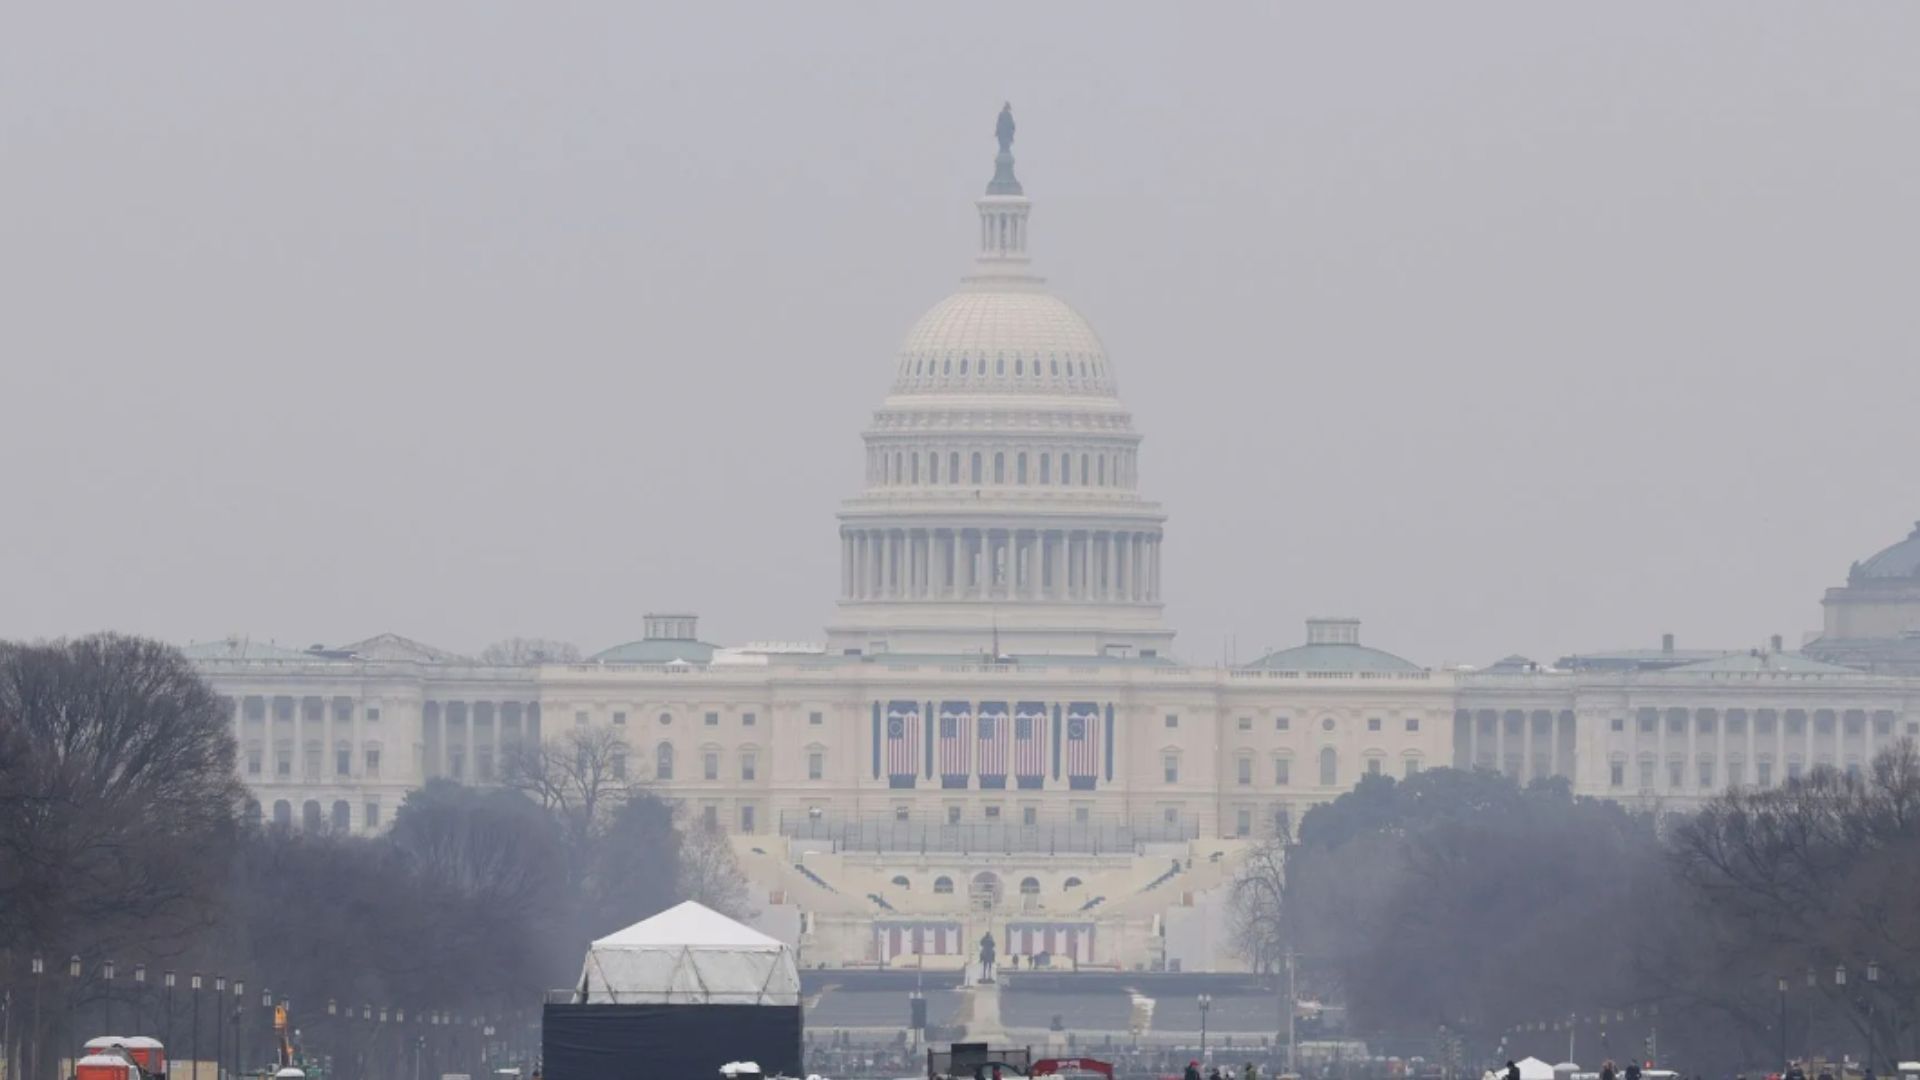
239,1023
219,1022
39,968
193,1038
73,992
106,972
1782,986
167,979
139,995
1206,1002
266,1006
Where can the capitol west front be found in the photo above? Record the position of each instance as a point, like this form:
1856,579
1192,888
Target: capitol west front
997,735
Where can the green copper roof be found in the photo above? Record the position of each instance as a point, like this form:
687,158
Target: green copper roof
1322,656
1786,662
657,651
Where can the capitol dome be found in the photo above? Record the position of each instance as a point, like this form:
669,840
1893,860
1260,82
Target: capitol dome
1002,513
996,336
1902,560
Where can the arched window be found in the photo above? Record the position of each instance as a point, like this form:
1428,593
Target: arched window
310,815
943,884
899,467
1029,886
1071,883
1020,468
999,468
666,718
283,813
901,881
342,816
933,467
253,813
663,762
913,468
1086,470
976,466
1046,470
963,365
1103,470
1329,767
953,467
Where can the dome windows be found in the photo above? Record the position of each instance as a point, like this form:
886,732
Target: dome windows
1000,366
1017,366
963,366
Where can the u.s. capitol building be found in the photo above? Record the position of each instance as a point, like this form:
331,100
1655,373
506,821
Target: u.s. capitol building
996,734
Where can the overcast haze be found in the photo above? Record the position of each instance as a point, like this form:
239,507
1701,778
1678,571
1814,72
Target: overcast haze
1502,327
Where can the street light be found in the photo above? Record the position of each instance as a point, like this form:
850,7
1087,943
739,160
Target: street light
167,978
39,968
1206,1002
194,1039
1782,984
106,971
1840,975
239,1028
139,994
219,1021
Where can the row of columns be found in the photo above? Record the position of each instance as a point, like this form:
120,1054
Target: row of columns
1112,566
1112,469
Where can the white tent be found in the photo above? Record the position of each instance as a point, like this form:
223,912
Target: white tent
689,955
1532,1068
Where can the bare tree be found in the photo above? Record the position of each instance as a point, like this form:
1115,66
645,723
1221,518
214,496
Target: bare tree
1258,904
519,651
709,873
118,796
581,778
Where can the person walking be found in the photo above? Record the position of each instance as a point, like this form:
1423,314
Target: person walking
1251,1073
1193,1071
1513,1071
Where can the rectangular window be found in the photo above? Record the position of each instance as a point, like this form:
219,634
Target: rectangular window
343,762
1373,723
1617,774
283,764
1170,815
712,719
900,812
619,766
1413,723
746,719
1281,723
1170,768
816,719
1763,724
1706,773
1082,815
1029,815
1619,723
373,764
1793,771
953,815
620,719
253,763
1243,822
372,811
710,765
312,764
1706,724
1649,723
373,716
1246,723
1736,773
1676,723
1763,773
580,719
816,765
1373,766
457,764
1676,775
1412,767
1796,725
1173,720
1646,775
1245,771
1282,769
993,813
1736,725
746,766
746,819
710,817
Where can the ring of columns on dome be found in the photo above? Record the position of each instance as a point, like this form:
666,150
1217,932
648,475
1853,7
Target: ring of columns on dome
1041,565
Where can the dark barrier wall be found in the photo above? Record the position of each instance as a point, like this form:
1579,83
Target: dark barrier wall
684,1042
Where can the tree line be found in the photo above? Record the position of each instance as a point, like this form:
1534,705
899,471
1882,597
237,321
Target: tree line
1769,925
125,837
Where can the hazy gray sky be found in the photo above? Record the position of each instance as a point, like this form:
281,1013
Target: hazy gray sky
1501,326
